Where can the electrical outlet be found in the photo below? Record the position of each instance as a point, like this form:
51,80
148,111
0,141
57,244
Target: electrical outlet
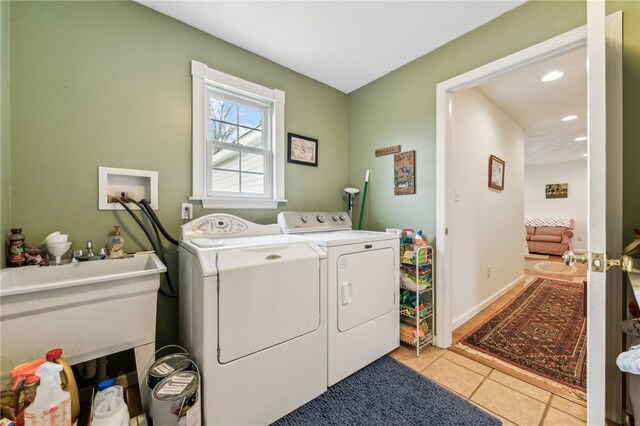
488,271
187,211
111,198
579,237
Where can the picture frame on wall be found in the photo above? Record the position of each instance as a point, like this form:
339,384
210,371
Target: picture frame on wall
404,173
556,190
496,173
302,150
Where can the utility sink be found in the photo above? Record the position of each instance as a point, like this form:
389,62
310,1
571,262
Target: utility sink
89,309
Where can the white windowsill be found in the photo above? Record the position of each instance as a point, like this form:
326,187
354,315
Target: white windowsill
217,203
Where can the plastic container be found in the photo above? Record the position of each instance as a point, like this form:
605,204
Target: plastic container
107,389
68,381
52,406
116,244
109,407
15,252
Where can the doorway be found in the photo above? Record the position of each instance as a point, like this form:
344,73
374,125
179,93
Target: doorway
446,196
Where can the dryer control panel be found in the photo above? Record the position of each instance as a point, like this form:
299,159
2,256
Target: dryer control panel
224,226
298,222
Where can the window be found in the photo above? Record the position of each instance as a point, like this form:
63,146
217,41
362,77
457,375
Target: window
238,141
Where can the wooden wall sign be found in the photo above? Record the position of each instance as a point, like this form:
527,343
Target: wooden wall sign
388,150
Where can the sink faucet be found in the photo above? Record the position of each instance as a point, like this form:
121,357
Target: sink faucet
89,248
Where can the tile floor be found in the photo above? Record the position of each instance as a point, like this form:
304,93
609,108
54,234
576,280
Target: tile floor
512,400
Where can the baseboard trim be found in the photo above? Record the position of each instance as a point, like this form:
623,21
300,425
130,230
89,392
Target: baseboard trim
457,322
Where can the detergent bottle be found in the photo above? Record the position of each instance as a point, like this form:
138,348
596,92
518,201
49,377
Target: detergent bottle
68,381
52,406
109,407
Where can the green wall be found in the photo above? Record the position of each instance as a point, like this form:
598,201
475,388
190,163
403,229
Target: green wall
631,115
5,127
109,84
400,108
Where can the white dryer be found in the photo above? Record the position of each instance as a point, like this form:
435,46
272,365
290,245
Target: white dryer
363,287
253,315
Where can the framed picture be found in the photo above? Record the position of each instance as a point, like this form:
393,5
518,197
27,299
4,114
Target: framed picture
496,173
404,173
556,190
302,150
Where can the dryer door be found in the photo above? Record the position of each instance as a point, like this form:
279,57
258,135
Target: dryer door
267,295
366,286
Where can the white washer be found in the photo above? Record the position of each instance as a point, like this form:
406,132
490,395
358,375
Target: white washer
253,315
363,286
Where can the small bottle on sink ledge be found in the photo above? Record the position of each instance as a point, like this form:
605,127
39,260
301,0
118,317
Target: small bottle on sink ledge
116,244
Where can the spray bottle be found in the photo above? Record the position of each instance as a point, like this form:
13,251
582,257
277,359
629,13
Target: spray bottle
68,381
25,382
52,406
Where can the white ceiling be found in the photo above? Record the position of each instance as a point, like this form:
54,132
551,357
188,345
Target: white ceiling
538,107
344,44
347,44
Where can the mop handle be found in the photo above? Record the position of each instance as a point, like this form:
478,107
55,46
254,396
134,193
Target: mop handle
364,198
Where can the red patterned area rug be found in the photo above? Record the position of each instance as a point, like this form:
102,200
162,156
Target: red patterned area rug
541,332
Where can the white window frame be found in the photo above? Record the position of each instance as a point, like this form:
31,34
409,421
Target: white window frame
202,76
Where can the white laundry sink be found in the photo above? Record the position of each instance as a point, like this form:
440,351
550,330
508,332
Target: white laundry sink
89,309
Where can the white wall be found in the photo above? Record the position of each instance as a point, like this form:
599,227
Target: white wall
573,207
486,225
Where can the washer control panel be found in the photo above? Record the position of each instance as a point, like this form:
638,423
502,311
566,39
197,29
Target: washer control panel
297,222
224,226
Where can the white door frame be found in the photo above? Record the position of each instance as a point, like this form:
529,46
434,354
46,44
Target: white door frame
444,190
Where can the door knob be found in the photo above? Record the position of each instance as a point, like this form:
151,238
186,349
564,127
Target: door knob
570,259
599,262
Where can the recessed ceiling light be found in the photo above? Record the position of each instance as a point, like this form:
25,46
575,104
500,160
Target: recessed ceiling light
581,138
553,75
569,117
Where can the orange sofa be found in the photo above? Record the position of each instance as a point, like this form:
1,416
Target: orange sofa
553,240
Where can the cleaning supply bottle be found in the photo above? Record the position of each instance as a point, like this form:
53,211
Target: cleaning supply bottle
68,381
25,382
52,406
109,407
15,252
116,244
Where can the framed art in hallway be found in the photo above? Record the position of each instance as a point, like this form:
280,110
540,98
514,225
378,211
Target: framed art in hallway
556,190
496,173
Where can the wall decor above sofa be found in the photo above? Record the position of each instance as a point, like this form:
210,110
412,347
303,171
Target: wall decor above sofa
556,190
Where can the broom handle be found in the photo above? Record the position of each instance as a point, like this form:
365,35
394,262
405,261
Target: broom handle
364,198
